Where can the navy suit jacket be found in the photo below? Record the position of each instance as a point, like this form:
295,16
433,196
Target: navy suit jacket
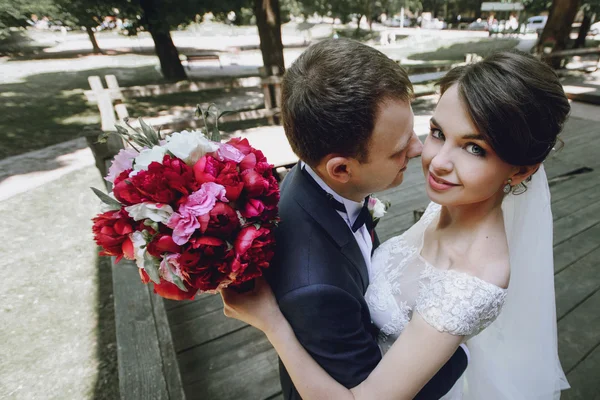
319,277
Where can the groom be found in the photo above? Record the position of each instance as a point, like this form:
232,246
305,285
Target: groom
347,115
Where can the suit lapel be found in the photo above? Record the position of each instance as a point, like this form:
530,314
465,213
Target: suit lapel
317,206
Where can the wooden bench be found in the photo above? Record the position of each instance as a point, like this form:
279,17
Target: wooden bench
565,54
147,362
202,57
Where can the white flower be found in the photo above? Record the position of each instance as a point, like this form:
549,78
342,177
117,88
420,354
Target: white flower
156,212
377,208
137,238
148,156
190,146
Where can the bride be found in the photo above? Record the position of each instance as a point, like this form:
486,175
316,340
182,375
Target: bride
477,268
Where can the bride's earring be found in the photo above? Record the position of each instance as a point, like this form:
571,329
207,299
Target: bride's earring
507,187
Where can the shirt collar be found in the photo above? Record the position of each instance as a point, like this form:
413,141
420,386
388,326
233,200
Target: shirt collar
352,207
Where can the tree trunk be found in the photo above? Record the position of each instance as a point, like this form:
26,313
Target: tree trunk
558,28
357,31
167,53
268,21
92,36
369,14
583,30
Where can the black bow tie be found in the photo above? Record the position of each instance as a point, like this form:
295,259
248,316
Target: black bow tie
364,217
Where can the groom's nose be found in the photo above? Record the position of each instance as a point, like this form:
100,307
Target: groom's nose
415,147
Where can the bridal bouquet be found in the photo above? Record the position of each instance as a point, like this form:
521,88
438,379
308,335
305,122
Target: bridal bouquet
195,214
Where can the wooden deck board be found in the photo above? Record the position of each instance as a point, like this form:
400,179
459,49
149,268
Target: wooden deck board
231,348
196,331
253,377
572,224
223,359
575,343
584,379
576,283
576,248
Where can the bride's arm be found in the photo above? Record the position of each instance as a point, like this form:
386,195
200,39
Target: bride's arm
412,361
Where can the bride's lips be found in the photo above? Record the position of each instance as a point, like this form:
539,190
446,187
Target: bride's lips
439,184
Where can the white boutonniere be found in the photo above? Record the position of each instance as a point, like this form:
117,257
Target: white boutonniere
377,208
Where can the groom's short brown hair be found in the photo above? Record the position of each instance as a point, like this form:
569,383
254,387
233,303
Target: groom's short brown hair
331,96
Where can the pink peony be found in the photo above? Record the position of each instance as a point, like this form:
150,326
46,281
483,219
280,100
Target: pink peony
185,222
227,152
123,161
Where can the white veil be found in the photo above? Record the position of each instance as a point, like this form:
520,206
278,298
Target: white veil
516,357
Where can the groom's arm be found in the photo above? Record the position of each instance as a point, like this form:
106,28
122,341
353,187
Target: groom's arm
329,324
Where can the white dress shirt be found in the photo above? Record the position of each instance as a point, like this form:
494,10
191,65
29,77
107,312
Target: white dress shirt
362,235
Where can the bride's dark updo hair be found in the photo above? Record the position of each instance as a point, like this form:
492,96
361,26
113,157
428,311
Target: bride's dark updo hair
516,102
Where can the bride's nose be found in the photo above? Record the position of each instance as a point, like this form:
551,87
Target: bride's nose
442,161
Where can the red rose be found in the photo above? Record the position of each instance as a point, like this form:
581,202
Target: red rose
249,162
169,290
122,176
213,265
270,200
241,144
262,205
111,232
175,168
253,208
207,169
264,168
230,178
254,183
125,192
254,248
163,243
244,146
162,183
220,222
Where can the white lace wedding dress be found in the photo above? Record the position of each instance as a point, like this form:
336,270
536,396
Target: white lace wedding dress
403,282
516,356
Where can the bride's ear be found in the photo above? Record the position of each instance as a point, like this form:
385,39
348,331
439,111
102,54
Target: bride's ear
338,169
523,173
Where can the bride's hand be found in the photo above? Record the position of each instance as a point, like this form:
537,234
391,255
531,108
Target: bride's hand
257,307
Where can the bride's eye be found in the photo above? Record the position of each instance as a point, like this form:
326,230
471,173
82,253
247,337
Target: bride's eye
475,150
436,133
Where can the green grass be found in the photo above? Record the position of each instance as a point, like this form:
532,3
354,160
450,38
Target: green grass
456,52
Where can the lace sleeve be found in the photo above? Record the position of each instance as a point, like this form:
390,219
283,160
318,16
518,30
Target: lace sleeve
458,303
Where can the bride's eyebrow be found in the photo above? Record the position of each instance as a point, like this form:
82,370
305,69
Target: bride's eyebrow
474,136
469,136
434,122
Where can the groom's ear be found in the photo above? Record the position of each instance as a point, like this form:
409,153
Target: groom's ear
338,168
523,173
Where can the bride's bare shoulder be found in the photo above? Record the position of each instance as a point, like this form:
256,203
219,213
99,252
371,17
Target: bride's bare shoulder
489,259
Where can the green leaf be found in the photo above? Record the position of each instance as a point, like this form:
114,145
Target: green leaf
179,283
177,280
151,265
216,135
106,199
122,130
149,132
